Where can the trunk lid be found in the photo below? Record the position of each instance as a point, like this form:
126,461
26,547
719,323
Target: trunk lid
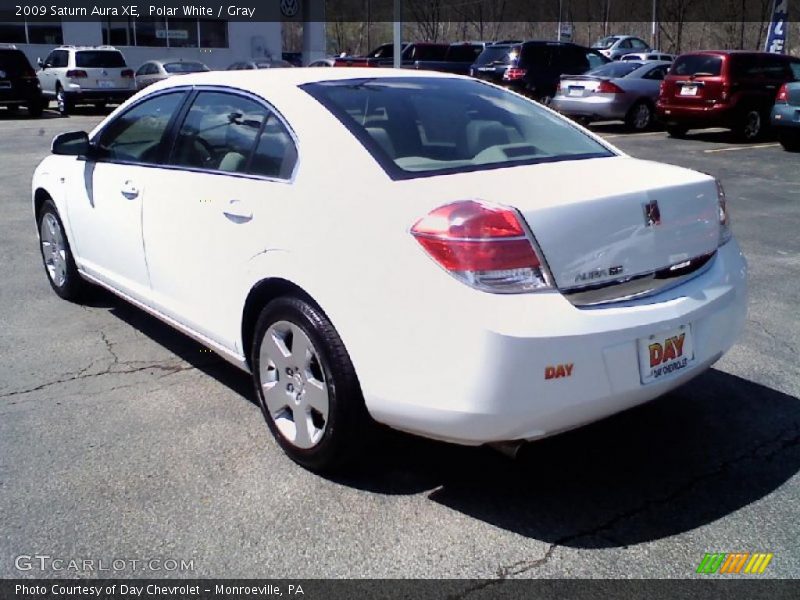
579,86
601,220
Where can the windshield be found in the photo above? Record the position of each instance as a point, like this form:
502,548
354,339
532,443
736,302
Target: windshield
497,55
697,64
605,43
421,125
99,59
615,69
185,67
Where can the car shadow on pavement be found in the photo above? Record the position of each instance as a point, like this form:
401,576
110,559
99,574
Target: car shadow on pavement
694,456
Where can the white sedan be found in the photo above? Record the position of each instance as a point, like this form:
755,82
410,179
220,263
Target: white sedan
423,250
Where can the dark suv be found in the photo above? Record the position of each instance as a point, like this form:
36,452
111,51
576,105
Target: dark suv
535,68
18,83
731,89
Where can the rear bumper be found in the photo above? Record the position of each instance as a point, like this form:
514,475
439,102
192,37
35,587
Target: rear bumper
712,115
786,116
484,380
597,106
100,95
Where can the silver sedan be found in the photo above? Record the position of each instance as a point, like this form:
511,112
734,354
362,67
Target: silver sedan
625,90
156,70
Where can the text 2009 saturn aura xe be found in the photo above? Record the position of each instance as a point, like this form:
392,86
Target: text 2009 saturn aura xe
423,250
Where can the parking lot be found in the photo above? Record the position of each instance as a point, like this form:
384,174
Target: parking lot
122,439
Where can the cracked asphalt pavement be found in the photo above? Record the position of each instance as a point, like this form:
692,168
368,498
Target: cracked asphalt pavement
120,438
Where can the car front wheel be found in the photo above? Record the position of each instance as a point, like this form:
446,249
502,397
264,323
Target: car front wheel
64,103
307,386
57,256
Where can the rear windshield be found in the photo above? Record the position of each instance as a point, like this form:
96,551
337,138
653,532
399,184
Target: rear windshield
605,43
431,126
185,67
464,53
14,63
497,55
616,69
99,59
697,64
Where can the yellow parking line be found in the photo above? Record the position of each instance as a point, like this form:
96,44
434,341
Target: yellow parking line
616,135
741,148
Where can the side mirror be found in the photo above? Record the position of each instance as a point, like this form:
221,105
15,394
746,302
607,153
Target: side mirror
72,143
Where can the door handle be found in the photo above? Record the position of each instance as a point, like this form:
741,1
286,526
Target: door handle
237,211
129,190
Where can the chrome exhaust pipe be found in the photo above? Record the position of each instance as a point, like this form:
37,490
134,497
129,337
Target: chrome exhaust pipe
509,449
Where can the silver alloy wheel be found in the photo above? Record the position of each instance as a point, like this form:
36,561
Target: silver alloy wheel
752,124
293,383
54,250
61,100
641,118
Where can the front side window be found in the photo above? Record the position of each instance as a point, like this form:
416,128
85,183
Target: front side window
415,126
219,133
185,67
137,135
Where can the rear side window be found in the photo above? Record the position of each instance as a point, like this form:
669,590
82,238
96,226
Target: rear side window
99,59
616,69
537,55
430,126
464,53
14,63
137,134
697,64
497,55
428,53
385,51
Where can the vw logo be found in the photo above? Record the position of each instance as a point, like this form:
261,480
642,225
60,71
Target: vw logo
289,8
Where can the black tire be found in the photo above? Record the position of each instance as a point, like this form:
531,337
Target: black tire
12,108
100,106
790,140
65,105
640,116
73,287
35,109
348,425
750,125
677,131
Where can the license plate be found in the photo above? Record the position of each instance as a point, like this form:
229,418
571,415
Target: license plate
665,354
689,90
105,83
576,91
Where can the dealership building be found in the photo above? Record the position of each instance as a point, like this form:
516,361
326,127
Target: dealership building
216,42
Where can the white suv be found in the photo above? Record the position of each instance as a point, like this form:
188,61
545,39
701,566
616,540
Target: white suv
85,75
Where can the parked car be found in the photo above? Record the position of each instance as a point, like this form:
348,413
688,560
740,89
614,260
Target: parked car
723,88
617,285
652,55
18,83
616,46
619,90
458,58
259,63
786,113
383,56
156,70
74,75
535,68
323,62
492,63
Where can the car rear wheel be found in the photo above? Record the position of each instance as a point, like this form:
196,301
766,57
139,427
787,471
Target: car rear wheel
57,256
639,117
12,108
64,104
790,140
307,386
677,131
751,125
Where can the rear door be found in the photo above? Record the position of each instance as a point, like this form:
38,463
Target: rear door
221,201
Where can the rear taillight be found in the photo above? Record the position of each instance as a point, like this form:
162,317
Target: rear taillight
724,220
483,245
662,88
126,73
783,95
77,74
514,73
606,87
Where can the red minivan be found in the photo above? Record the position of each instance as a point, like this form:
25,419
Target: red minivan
731,89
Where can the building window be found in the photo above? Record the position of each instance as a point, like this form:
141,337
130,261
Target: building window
171,33
37,32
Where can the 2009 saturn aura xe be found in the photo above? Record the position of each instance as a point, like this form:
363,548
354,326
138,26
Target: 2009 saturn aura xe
423,250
